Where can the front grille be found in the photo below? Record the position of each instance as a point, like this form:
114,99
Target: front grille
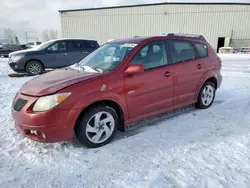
19,104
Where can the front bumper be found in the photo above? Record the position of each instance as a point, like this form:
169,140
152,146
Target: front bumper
52,126
17,66
14,67
46,134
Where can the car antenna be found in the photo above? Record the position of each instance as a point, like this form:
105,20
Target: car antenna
182,26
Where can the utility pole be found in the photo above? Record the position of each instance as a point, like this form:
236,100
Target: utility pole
26,37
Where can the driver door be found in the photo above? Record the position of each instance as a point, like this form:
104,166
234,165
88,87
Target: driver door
152,89
57,55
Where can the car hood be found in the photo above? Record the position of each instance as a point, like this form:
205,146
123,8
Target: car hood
22,52
54,81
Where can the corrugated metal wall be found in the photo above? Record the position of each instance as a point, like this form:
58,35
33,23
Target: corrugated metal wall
212,21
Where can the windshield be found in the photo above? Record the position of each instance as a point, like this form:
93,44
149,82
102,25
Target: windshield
107,57
43,45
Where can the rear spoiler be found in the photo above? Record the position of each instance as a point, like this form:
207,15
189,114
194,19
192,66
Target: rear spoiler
201,37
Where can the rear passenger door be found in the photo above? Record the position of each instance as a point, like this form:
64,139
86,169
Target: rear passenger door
75,49
189,69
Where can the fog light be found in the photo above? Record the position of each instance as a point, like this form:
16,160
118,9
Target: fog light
43,135
33,132
16,66
38,134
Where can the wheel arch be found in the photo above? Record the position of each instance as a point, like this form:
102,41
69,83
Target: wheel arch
209,76
213,80
34,60
110,103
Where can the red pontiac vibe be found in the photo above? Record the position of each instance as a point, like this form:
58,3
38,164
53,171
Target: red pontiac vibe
121,82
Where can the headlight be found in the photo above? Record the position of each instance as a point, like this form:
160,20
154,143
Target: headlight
48,102
17,57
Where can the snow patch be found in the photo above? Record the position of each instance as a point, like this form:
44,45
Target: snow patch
199,149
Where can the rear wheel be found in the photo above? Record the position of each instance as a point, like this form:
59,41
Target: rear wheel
97,127
206,96
34,68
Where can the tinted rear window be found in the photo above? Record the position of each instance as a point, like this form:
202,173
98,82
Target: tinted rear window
75,46
80,45
89,45
202,49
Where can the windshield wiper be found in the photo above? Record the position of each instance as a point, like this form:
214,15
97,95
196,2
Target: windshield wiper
88,68
99,70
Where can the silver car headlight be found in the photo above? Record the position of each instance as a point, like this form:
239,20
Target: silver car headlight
48,102
16,58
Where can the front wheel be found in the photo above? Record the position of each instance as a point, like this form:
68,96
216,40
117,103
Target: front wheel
97,127
34,68
206,96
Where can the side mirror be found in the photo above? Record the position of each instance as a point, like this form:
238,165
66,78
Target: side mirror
134,69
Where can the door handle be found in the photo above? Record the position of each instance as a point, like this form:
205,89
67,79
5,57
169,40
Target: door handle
199,66
64,54
167,74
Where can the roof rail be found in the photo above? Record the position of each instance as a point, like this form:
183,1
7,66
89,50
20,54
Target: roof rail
187,35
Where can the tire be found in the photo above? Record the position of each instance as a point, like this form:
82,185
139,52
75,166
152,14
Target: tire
205,101
6,56
37,68
97,127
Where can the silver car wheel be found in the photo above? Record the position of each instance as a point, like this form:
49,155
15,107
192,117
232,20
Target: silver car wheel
35,68
207,95
100,127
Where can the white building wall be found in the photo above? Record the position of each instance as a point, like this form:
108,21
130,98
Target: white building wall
212,21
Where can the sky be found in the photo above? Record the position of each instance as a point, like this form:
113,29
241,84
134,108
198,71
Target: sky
32,16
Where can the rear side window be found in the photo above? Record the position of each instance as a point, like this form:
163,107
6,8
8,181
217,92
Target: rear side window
202,49
181,51
75,46
89,45
95,44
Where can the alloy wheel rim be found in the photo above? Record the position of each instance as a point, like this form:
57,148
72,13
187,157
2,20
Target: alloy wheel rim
100,127
34,68
207,95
